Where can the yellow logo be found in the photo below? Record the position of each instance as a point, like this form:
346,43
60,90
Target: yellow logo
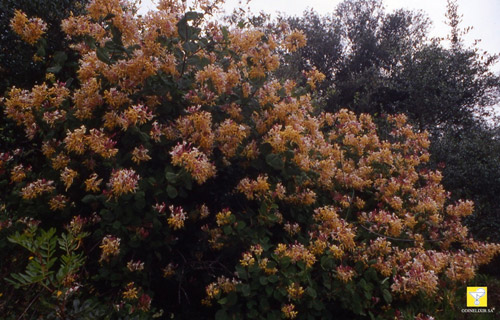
477,296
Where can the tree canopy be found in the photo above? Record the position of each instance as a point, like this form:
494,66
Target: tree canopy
379,62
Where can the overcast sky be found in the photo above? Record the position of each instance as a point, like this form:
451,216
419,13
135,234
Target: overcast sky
482,15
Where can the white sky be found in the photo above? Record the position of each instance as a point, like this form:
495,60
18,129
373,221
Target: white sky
482,15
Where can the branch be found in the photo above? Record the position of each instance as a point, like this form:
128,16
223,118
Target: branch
29,305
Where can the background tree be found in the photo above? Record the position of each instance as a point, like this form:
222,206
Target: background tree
379,62
470,162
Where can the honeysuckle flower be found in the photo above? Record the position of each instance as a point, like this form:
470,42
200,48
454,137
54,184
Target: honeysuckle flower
123,181
177,217
30,30
110,247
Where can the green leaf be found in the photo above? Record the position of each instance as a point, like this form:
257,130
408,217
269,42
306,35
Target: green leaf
317,304
102,54
41,48
387,296
327,263
60,57
240,225
269,291
54,69
273,278
245,290
232,298
225,33
192,15
301,265
227,230
242,274
311,292
275,161
117,225
140,201
171,191
171,177
89,198
107,215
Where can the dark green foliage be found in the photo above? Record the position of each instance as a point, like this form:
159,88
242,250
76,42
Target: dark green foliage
470,162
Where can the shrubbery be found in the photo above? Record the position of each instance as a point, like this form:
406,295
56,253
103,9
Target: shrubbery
177,178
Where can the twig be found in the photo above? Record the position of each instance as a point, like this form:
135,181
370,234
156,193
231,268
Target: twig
29,305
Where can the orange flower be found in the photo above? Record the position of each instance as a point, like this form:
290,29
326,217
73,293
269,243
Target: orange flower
140,154
75,141
123,181
289,311
110,247
30,30
131,292
34,189
194,161
295,40
58,202
67,176
92,183
18,173
177,217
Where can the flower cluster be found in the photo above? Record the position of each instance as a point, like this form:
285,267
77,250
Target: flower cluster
92,183
135,115
289,311
177,217
30,30
223,285
140,154
123,181
254,189
345,273
295,40
223,217
295,291
18,173
36,188
194,161
135,266
296,252
58,202
67,176
110,247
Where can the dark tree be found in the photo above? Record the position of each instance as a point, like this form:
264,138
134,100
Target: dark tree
378,62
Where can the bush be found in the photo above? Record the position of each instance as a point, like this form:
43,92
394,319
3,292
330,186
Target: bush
177,178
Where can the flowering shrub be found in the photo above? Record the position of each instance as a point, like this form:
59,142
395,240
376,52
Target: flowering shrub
196,184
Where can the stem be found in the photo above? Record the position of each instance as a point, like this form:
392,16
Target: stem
29,305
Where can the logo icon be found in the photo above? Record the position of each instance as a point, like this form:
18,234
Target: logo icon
477,296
